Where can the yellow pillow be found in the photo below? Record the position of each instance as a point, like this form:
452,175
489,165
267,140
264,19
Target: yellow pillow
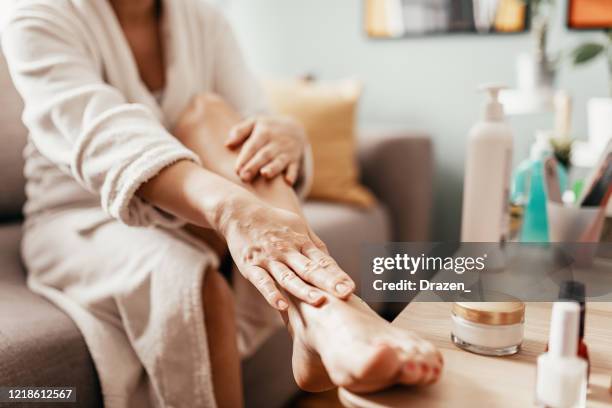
328,112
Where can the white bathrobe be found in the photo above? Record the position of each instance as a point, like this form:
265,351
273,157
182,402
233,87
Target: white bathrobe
125,271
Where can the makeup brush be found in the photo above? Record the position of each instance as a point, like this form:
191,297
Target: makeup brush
552,180
590,235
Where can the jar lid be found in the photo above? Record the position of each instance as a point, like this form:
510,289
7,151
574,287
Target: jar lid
491,313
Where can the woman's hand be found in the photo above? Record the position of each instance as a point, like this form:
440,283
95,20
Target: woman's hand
275,248
271,145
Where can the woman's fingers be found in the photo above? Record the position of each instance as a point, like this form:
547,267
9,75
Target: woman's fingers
320,270
265,285
250,148
291,174
264,156
318,242
275,167
287,279
240,133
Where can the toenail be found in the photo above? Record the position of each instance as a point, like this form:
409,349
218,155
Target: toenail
424,368
282,304
436,371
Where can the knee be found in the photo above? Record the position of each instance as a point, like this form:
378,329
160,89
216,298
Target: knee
203,105
206,101
203,110
216,292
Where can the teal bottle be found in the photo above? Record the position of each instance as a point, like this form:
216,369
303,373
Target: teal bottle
529,190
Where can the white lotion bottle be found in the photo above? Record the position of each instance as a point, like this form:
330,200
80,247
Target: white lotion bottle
488,170
562,375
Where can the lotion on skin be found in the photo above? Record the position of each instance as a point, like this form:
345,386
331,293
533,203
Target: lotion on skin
487,175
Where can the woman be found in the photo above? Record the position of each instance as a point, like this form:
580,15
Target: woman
139,166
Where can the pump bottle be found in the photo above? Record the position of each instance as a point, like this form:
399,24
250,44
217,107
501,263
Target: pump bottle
487,175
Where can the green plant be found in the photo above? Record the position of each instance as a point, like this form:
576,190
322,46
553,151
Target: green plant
562,147
591,50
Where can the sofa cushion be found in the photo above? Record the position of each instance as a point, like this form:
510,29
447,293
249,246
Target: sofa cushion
328,112
12,139
344,229
39,344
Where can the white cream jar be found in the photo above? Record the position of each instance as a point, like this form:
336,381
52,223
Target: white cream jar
489,328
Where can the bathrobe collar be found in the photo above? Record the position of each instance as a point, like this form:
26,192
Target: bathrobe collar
120,67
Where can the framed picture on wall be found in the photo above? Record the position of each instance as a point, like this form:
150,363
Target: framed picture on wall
589,14
400,18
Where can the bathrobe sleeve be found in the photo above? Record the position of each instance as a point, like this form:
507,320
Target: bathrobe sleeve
80,123
236,83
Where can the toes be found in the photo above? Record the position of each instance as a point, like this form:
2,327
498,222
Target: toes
421,364
431,363
428,374
417,372
411,373
436,371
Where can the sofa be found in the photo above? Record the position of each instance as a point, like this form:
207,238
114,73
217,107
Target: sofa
41,346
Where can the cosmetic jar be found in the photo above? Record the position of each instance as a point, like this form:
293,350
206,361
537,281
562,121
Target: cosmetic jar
488,328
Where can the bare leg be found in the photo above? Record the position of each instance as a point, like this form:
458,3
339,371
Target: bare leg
341,342
204,128
220,326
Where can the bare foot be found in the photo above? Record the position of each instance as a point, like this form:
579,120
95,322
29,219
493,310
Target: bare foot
347,344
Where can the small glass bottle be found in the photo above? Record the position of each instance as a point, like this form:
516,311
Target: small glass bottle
576,291
561,377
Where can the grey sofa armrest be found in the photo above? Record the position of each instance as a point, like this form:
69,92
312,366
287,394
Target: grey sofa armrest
398,167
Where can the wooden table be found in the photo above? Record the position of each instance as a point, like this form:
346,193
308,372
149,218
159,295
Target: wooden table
471,380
